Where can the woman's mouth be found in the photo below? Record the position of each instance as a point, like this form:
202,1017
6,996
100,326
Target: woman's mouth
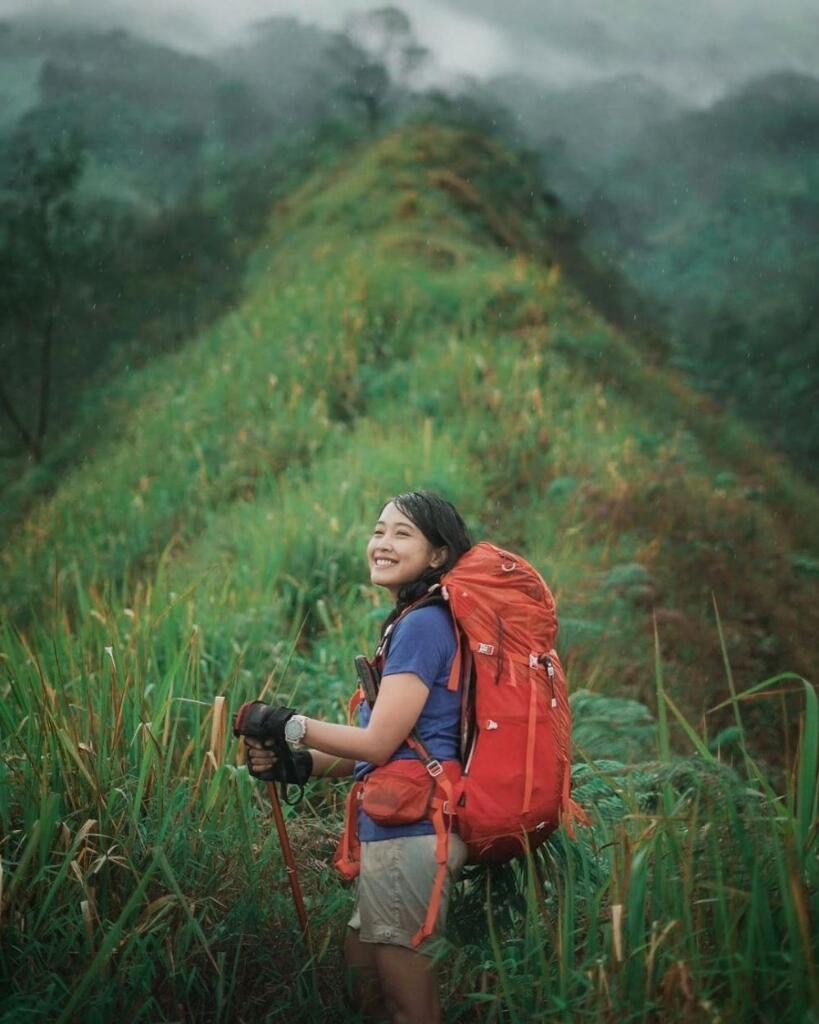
383,563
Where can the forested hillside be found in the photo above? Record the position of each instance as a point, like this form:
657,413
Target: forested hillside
134,182
711,216
407,321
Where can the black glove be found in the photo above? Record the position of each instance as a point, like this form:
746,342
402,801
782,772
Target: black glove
260,721
297,769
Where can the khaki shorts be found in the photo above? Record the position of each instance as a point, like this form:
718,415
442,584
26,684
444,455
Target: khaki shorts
394,886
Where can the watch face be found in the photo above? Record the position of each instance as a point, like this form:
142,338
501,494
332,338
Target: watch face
294,730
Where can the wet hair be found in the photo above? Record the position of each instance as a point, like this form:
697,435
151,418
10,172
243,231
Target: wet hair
441,523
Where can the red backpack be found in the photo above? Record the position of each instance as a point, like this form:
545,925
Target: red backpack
512,787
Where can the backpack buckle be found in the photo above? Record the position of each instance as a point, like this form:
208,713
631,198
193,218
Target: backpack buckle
434,767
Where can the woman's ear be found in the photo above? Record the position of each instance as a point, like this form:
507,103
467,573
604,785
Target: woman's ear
439,557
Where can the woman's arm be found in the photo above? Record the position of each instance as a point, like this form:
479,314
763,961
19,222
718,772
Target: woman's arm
401,699
335,748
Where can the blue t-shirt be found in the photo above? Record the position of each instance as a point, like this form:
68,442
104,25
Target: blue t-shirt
423,643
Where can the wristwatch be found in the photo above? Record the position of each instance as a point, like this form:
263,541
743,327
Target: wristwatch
295,729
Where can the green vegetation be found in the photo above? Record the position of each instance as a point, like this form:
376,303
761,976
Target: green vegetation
406,323
710,216
714,217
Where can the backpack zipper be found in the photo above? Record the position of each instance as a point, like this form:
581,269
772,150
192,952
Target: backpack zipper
499,668
550,672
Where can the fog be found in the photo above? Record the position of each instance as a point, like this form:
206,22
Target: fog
697,49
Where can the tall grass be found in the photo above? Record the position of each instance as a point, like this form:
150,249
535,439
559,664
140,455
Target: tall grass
133,861
141,875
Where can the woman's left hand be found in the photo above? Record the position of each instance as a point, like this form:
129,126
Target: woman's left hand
263,764
260,760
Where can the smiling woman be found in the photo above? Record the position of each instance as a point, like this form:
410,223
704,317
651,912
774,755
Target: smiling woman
417,538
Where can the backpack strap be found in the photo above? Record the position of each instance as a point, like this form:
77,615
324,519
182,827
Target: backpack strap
458,662
347,859
443,826
442,813
352,704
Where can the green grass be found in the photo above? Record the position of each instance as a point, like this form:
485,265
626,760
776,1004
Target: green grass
134,866
214,547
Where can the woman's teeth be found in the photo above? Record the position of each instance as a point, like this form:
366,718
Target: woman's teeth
382,563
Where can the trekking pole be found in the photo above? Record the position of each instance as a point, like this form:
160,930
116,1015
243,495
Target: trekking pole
252,719
290,864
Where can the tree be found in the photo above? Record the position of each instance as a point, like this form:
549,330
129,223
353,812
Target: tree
363,82
39,238
386,34
375,57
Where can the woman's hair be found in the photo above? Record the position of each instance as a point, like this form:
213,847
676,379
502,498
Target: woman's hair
441,524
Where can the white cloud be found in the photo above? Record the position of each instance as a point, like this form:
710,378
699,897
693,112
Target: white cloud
695,48
461,43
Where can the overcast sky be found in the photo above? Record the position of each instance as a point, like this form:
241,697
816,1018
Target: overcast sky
695,47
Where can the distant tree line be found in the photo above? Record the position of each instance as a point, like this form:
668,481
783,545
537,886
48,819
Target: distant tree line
128,207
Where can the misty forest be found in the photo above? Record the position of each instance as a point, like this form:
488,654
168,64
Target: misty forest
248,291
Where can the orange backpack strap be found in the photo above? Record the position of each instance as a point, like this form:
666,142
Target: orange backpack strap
443,801
458,660
352,704
347,860
442,810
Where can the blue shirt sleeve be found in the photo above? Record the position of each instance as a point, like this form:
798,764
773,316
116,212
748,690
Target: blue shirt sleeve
423,643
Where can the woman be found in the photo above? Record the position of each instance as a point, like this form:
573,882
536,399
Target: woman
417,539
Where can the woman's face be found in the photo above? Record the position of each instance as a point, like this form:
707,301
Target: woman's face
398,552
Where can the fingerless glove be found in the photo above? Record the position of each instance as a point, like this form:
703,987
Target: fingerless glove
260,721
295,769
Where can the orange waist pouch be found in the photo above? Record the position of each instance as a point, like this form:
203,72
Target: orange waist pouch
401,792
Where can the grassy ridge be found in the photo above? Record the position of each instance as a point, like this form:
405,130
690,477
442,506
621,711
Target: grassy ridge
383,298
405,327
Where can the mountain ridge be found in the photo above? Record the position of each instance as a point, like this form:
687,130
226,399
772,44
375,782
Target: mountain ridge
391,337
